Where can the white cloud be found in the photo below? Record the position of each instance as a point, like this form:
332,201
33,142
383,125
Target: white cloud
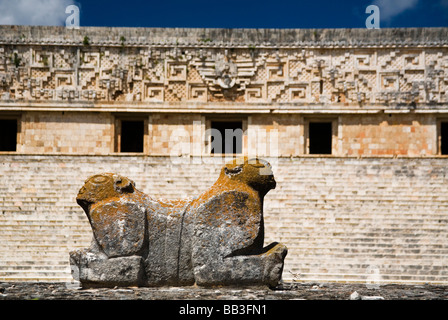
392,8
34,12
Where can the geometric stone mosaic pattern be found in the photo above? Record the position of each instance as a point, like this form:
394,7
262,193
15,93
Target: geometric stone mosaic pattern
330,67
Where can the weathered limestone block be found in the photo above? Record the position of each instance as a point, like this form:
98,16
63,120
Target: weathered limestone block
213,239
97,270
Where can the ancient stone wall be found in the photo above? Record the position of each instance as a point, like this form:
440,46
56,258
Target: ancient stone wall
369,220
345,68
404,134
66,132
87,133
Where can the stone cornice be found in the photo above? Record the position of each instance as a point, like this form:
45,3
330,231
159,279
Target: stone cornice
217,108
235,38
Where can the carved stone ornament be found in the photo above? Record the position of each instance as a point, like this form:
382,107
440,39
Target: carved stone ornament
226,73
216,238
339,67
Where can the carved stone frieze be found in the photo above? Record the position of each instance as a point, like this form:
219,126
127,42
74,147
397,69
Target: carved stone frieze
320,68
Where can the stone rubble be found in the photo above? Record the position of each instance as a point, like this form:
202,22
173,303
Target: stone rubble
356,296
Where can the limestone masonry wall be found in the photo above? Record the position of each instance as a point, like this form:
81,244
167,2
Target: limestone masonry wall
266,135
389,134
66,132
370,220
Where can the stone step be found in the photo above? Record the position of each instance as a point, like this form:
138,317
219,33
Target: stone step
35,268
332,213
42,255
322,277
37,277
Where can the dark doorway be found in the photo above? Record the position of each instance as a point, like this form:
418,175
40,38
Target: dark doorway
132,134
444,137
227,137
8,135
320,137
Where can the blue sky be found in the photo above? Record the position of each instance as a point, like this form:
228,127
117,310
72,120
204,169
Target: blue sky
228,14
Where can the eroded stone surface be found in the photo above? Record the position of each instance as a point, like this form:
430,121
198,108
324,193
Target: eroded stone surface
214,239
285,291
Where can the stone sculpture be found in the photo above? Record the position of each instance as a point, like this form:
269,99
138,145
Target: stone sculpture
213,239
